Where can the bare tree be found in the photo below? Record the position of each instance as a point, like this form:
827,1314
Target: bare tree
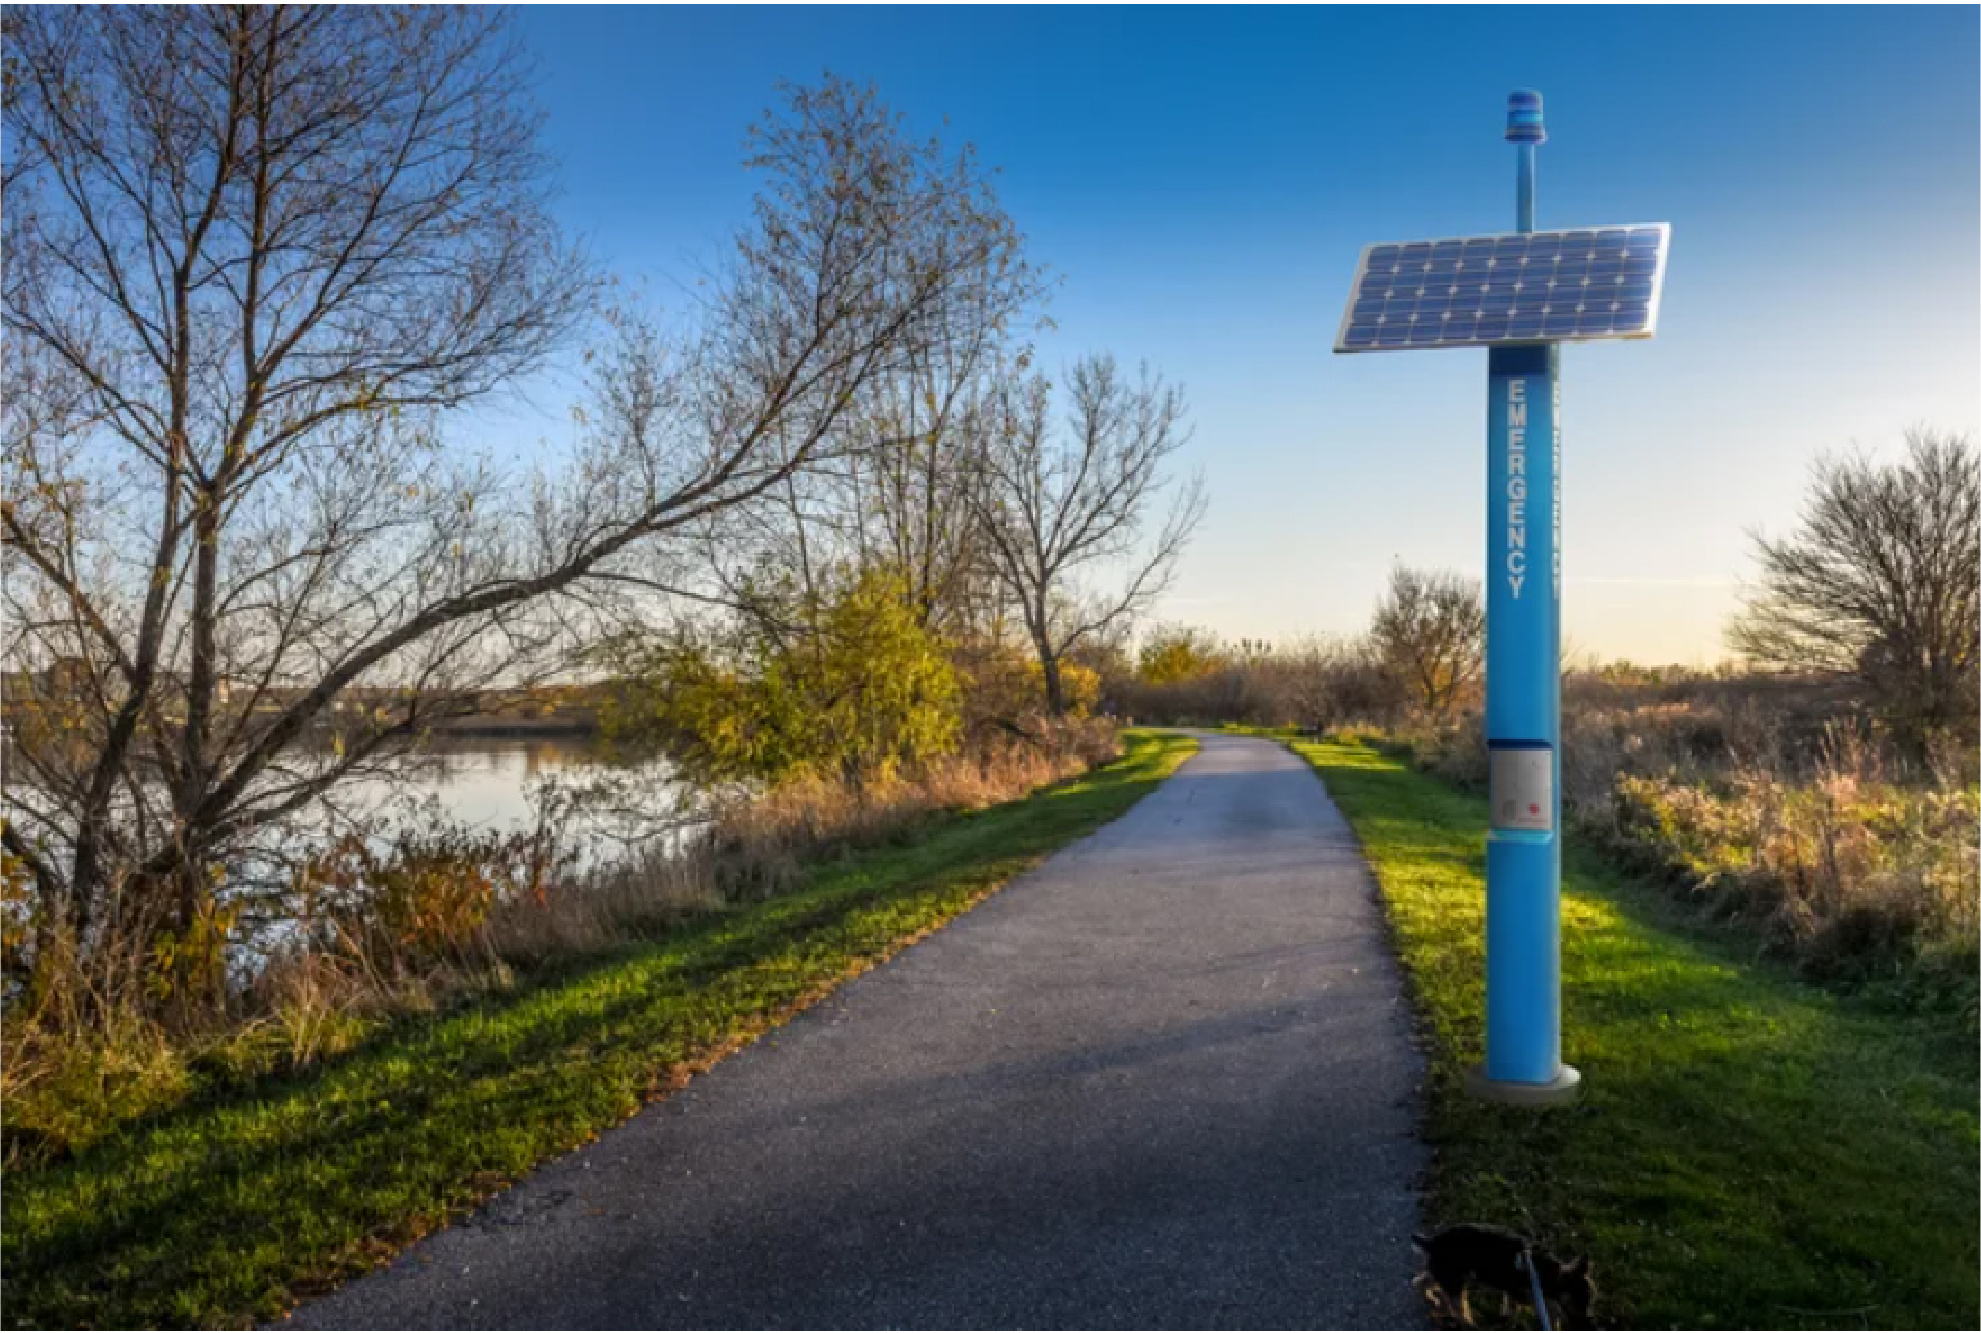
911,494
1881,585
1429,631
1056,505
897,494
891,490
256,259
908,492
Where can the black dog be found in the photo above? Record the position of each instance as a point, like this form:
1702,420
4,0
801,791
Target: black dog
1460,1256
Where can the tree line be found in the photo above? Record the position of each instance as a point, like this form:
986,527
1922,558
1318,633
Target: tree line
1872,601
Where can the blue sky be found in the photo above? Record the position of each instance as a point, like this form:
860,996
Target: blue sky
1202,181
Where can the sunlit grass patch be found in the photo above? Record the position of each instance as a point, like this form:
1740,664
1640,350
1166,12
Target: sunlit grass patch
1749,1151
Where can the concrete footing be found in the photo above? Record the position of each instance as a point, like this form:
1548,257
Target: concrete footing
1558,1091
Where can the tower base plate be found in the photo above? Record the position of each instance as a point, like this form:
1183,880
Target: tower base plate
1558,1091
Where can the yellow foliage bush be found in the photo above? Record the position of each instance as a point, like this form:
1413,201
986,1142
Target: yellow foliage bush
861,691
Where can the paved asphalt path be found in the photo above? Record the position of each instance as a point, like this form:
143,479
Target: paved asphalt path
1165,1080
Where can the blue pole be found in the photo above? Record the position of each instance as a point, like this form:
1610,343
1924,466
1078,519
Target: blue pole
1523,699
1524,188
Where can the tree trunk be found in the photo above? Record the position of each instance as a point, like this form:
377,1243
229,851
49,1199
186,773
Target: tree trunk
1055,691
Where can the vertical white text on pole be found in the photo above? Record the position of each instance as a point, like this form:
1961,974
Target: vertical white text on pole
1516,483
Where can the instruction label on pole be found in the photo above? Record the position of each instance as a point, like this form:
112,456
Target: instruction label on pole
1522,786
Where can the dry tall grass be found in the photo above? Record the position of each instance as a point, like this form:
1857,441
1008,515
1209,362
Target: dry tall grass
757,845
1856,876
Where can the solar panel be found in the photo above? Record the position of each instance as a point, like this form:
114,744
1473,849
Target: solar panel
1523,287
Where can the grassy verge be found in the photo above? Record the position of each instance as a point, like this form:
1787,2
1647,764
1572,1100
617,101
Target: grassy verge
1749,1151
225,1210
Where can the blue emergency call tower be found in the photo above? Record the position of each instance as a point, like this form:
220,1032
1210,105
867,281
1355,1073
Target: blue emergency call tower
1520,295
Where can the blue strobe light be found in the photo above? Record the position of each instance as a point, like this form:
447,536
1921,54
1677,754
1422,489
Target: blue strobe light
1523,117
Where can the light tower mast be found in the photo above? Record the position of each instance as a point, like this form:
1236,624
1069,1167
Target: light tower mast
1520,295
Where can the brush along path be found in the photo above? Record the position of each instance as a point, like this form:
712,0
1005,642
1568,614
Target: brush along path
1162,1081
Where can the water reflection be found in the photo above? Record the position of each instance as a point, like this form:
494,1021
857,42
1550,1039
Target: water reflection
599,801
502,784
486,783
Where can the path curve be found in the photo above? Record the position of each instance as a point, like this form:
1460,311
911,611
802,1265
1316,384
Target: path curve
1164,1080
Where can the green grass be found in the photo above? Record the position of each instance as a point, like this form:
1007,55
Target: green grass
1748,1152
224,1211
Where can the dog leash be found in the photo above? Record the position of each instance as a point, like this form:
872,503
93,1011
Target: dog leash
1534,1280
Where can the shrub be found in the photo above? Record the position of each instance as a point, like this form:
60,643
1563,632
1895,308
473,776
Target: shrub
1880,586
1429,632
1318,685
847,684
1173,653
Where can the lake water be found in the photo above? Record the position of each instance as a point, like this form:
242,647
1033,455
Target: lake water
499,784
603,804
486,782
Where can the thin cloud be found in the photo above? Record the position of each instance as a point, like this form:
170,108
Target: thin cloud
1702,581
